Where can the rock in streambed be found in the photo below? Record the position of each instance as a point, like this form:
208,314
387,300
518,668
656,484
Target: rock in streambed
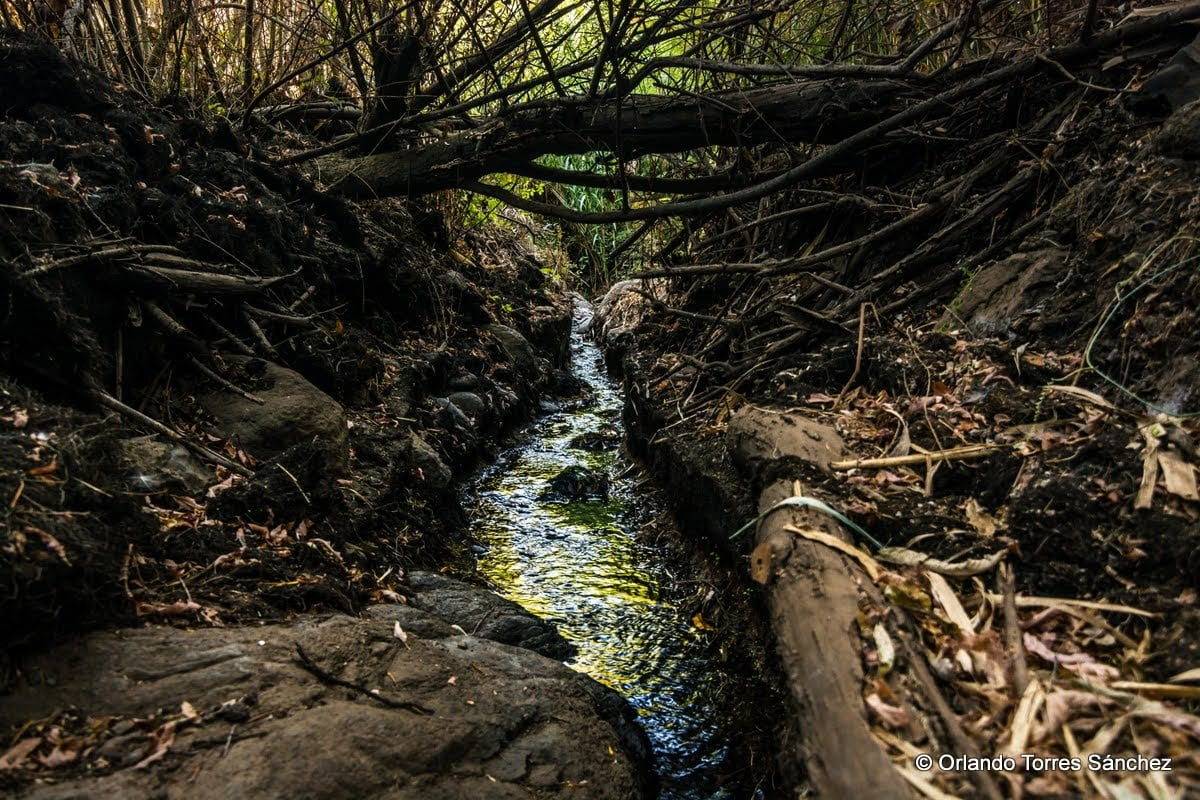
324,707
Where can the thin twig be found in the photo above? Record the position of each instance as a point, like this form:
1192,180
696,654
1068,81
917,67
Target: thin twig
225,382
113,403
952,454
862,327
1013,642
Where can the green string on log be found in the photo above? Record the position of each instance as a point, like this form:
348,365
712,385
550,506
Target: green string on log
811,502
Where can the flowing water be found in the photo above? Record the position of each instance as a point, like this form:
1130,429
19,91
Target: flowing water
580,565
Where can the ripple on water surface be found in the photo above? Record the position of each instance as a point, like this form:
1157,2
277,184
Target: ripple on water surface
579,564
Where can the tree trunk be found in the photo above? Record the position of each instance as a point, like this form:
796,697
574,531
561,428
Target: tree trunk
803,113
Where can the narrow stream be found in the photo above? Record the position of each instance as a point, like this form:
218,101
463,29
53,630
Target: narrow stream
580,565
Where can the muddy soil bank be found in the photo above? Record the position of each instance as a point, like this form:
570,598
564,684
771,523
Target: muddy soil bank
234,414
1067,361
321,371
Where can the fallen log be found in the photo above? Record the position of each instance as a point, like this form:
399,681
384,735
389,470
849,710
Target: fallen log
815,595
638,124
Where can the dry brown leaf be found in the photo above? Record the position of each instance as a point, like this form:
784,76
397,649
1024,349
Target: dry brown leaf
1036,646
982,521
1162,690
814,535
52,544
176,609
1023,718
1061,707
955,569
1081,664
1157,712
1178,475
63,753
217,488
160,742
948,600
987,656
45,469
1145,493
891,716
885,648
16,755
1187,676
904,592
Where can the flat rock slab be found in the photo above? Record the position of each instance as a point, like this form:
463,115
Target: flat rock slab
503,722
485,614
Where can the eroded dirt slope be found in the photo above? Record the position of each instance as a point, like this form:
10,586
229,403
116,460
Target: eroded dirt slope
342,363
1037,409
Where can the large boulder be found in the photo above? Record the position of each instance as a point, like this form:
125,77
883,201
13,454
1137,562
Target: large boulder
399,706
293,411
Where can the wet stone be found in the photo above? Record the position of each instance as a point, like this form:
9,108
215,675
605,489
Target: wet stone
578,483
606,438
486,615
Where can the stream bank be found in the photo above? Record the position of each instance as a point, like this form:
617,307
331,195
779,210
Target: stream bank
234,413
1024,432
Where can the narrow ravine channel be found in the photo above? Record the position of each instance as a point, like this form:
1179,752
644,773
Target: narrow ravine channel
581,565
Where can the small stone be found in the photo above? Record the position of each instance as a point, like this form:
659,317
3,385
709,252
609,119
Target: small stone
469,403
453,411
153,465
577,482
116,748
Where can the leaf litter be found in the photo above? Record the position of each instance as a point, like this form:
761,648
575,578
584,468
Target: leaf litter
1069,677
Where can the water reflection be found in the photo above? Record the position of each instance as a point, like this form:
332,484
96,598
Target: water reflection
580,566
